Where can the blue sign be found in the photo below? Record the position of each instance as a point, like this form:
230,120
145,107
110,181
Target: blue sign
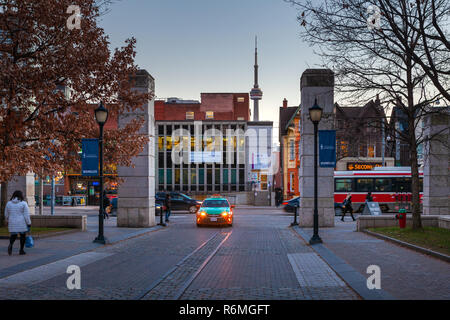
89,157
327,148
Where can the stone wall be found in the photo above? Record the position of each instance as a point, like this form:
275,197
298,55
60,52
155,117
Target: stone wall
136,195
316,84
72,221
364,222
436,171
26,185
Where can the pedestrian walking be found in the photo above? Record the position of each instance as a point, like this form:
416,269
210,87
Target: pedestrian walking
347,205
369,197
167,205
277,197
17,215
106,205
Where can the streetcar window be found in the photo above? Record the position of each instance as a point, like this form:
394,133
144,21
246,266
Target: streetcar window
403,184
364,185
343,185
383,185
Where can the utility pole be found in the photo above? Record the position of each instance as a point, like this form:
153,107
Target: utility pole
41,196
383,143
52,210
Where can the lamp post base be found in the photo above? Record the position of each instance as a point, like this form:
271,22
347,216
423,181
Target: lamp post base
293,224
315,239
101,240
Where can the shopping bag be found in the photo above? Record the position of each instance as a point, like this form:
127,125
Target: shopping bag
29,242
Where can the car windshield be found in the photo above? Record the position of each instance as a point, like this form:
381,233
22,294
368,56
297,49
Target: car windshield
215,203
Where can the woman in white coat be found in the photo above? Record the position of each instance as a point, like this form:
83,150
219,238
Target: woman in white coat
17,215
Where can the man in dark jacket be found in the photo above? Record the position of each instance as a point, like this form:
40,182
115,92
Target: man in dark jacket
167,205
106,204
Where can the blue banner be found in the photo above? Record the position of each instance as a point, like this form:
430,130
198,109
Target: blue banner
327,148
89,157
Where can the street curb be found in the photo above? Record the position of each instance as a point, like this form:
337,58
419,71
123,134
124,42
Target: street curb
351,276
48,235
423,250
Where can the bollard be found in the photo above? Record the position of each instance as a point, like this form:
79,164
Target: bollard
295,217
161,223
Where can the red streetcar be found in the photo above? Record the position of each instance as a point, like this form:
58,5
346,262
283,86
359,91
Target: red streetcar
390,187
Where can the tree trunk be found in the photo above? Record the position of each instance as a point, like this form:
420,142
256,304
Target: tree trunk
415,181
3,201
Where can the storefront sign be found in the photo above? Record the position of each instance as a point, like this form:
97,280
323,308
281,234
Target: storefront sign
89,157
327,148
362,166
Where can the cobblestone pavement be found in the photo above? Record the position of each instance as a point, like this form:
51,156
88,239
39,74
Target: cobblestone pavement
260,257
405,274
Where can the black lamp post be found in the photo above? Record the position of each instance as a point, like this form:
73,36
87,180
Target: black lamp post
315,114
101,116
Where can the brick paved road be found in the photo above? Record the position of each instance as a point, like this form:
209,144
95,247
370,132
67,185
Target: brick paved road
405,274
259,258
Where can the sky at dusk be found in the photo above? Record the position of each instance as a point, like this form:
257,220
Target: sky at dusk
195,46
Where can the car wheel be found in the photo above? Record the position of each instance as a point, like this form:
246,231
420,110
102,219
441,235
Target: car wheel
199,225
192,209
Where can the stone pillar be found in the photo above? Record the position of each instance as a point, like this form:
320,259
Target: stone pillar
26,185
136,195
436,171
315,83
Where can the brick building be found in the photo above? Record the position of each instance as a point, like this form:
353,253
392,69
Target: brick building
289,135
208,163
359,132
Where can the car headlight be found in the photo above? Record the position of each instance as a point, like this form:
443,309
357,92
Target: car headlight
203,214
224,214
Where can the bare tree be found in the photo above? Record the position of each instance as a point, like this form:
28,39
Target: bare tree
383,47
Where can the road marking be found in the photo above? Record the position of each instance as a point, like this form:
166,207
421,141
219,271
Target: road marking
165,286
51,270
312,271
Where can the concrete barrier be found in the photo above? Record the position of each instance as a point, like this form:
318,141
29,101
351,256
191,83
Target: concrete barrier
75,221
364,222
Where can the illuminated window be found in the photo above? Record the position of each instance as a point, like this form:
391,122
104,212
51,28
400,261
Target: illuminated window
344,148
371,151
209,115
240,119
240,99
291,150
190,115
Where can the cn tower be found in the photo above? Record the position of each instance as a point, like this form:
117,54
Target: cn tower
256,93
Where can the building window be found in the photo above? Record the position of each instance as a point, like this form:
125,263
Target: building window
190,115
371,151
344,148
209,115
240,99
291,182
240,119
291,150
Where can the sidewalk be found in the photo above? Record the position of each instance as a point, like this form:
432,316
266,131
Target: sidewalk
405,274
59,247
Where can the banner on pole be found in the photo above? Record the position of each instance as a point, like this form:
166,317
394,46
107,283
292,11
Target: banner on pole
89,157
327,148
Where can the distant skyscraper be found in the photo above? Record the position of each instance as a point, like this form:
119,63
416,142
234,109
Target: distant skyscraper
256,93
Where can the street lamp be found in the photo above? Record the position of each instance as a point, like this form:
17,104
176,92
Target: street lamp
101,116
315,114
